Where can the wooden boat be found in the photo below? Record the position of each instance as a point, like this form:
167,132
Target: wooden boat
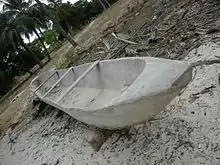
113,94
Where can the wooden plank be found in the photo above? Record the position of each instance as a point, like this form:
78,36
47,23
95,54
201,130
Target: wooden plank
44,82
58,81
77,81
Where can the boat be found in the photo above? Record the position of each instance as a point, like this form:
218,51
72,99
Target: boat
114,94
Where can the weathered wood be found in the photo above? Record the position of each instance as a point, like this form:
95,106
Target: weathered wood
124,40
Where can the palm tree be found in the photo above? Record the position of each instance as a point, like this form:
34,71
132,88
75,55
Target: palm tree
40,17
53,18
63,11
26,17
14,4
11,32
31,26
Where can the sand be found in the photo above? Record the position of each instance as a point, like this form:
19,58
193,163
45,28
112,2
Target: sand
186,132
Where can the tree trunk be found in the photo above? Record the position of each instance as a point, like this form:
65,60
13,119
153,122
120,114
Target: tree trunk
66,35
106,1
40,31
42,43
103,5
23,69
26,70
55,21
66,22
69,28
31,53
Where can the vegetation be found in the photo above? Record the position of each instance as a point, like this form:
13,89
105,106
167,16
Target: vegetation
51,23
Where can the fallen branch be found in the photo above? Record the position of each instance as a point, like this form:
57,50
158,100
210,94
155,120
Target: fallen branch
108,46
219,78
205,62
205,90
155,119
186,143
124,40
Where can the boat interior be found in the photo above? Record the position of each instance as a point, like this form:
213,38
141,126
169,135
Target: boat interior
104,82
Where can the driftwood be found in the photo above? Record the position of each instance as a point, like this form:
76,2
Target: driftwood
108,46
219,78
205,62
205,90
124,40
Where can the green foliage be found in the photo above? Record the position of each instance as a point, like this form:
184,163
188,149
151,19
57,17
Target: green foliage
16,64
15,5
50,37
16,57
21,18
74,16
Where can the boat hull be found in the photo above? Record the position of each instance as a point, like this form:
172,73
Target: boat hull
142,100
